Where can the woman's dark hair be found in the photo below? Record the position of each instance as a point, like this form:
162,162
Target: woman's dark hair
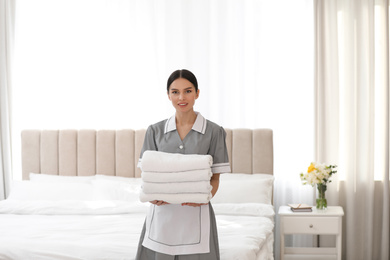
186,74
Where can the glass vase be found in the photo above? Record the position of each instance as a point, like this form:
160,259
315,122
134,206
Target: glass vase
321,202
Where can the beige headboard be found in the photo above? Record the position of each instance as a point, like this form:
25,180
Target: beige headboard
116,152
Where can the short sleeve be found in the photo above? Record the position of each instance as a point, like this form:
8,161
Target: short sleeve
218,151
149,143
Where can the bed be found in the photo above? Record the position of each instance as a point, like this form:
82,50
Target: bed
79,197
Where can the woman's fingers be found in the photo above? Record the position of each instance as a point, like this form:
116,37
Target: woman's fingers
193,204
158,202
161,202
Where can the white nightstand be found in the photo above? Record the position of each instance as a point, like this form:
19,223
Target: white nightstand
327,222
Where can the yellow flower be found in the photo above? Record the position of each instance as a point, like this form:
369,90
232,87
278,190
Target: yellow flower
311,168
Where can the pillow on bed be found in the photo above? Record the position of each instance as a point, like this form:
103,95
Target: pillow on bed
41,177
244,188
117,190
29,190
118,179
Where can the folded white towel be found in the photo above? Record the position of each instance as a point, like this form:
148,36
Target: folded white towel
177,187
176,198
154,161
196,175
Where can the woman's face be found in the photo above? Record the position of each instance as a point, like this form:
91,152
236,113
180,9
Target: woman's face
182,94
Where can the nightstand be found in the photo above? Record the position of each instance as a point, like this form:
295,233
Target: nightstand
328,222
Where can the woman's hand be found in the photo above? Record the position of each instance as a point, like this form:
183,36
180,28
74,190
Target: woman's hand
158,202
193,204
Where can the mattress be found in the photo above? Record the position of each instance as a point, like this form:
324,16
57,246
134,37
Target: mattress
108,230
101,217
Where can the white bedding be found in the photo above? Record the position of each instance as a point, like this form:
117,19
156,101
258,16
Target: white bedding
100,217
110,229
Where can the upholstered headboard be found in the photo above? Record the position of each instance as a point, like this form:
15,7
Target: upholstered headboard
116,152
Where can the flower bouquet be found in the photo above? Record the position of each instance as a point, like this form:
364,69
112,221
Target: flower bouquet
319,174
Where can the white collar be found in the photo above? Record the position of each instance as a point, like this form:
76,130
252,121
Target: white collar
199,125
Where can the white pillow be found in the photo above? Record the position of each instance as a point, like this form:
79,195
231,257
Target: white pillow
117,190
29,190
244,188
118,179
41,177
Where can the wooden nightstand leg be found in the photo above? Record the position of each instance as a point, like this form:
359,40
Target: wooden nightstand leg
281,238
339,240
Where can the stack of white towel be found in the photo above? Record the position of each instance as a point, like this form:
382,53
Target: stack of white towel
176,178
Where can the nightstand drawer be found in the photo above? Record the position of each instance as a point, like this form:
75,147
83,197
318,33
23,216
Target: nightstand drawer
311,225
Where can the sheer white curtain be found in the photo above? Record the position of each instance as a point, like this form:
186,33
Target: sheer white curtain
104,64
7,16
352,126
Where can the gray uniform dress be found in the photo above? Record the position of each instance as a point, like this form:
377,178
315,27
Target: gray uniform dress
205,137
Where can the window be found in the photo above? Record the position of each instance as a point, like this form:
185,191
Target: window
104,64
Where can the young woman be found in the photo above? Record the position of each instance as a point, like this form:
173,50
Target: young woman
176,234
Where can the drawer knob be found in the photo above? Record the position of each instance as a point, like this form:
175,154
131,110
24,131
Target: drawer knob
311,226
